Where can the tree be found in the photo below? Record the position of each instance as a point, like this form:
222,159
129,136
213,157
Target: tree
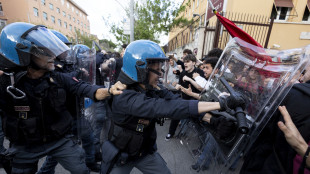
152,18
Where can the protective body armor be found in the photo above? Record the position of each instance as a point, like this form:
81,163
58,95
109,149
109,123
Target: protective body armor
135,135
42,115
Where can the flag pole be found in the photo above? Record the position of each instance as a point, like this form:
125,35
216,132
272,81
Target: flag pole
212,6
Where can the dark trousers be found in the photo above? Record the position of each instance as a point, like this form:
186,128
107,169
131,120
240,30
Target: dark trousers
173,126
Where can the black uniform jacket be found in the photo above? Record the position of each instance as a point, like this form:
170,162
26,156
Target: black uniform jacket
42,116
134,105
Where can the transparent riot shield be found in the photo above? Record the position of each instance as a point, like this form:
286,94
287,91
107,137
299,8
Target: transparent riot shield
86,68
242,68
108,72
86,64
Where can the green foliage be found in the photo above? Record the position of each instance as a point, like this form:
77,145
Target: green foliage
107,44
152,18
85,40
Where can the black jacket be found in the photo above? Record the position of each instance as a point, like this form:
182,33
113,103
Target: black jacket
134,104
42,116
271,144
185,84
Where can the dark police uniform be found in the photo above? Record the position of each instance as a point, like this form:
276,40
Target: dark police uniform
39,124
135,112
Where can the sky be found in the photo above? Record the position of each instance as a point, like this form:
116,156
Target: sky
109,9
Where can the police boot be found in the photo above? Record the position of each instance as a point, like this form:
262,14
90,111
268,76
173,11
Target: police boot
94,167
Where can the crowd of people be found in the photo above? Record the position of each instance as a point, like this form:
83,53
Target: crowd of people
78,107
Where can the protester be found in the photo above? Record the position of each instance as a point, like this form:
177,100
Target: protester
293,136
189,64
271,153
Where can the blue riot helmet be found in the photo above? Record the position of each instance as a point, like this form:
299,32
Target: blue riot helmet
21,40
138,55
67,56
62,37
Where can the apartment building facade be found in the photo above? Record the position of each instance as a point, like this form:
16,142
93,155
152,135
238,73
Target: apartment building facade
64,16
290,29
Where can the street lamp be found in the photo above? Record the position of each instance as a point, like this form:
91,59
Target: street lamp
194,15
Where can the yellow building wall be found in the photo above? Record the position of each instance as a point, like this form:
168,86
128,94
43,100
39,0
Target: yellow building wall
188,14
14,10
288,35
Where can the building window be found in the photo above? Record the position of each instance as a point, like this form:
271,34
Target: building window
2,23
43,2
72,9
68,6
35,11
65,24
78,22
69,17
51,6
82,32
53,19
64,14
58,10
62,2
70,27
45,16
82,24
306,16
77,12
280,13
197,3
281,9
80,14
73,19
59,22
1,10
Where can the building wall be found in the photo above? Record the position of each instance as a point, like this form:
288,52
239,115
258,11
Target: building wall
291,33
13,12
188,13
24,12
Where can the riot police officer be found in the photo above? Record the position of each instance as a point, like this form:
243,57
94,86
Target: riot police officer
137,109
37,122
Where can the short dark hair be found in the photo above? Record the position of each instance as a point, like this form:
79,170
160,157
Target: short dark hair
187,51
124,46
190,57
216,52
211,60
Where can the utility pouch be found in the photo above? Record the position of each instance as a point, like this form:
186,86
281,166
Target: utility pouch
109,156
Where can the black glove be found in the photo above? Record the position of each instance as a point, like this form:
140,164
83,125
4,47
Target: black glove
231,102
223,127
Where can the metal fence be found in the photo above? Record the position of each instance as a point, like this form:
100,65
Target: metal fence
216,36
259,27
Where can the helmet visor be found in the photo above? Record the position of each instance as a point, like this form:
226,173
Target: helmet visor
160,68
41,37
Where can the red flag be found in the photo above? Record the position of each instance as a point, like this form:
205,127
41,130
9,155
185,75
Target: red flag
235,31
